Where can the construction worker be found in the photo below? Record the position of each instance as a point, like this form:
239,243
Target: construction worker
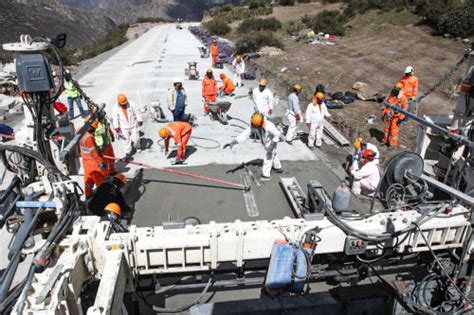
103,138
360,146
126,121
92,160
214,52
316,112
181,132
393,119
227,87
263,98
269,136
73,95
239,68
209,90
177,100
367,178
293,114
110,191
410,85
114,212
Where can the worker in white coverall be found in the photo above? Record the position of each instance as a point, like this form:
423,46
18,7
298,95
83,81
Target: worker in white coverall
367,178
293,114
239,68
269,136
263,98
316,112
126,121
360,146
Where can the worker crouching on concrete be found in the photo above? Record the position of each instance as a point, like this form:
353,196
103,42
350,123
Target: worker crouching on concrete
181,133
92,160
178,100
367,178
393,119
293,114
263,98
114,212
228,87
360,146
126,122
209,90
316,112
269,135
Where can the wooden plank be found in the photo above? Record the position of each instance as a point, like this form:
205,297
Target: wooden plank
335,134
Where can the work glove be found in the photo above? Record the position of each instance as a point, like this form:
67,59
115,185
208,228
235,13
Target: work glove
230,145
117,130
102,166
270,112
298,116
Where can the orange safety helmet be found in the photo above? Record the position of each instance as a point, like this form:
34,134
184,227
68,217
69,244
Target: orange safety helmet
122,178
164,133
263,82
320,95
238,58
358,143
368,155
114,208
223,76
256,120
122,99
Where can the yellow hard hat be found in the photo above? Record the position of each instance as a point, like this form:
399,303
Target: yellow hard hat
297,86
263,82
399,85
238,58
209,70
164,133
358,143
256,120
122,99
113,207
320,96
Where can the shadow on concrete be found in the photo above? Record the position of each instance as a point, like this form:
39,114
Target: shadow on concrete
256,162
189,151
121,166
377,134
133,191
145,143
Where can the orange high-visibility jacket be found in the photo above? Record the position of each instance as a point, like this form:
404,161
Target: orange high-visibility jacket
91,160
209,87
401,102
228,87
181,132
214,50
410,85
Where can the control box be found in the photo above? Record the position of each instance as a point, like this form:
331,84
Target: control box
34,73
354,246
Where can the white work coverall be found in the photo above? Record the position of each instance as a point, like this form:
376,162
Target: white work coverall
269,141
293,110
263,101
128,125
366,179
239,69
315,115
357,158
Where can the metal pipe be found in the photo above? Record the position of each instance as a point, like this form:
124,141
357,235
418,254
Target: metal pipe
6,193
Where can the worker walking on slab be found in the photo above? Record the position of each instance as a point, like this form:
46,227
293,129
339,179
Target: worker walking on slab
239,68
178,100
214,52
181,133
92,160
73,95
126,121
392,119
263,98
316,113
228,87
367,178
269,135
293,114
209,90
410,86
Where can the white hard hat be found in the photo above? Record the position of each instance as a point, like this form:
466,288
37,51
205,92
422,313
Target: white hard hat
177,80
409,69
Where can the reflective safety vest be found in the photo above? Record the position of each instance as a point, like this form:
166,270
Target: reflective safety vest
102,137
70,90
88,149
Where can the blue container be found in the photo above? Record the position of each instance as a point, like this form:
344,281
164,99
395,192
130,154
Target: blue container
341,198
300,272
279,272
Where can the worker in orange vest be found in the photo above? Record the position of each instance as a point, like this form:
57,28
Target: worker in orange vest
393,119
181,132
228,87
214,52
93,162
410,85
209,89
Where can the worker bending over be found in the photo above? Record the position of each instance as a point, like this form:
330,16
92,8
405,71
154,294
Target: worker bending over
269,135
293,114
181,132
316,112
214,52
178,100
367,178
228,87
126,122
410,86
239,68
263,98
391,118
92,161
209,90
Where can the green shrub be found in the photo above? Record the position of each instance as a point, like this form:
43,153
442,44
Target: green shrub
253,42
331,22
459,22
217,27
286,2
251,25
112,40
303,1
254,4
293,27
150,20
433,10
